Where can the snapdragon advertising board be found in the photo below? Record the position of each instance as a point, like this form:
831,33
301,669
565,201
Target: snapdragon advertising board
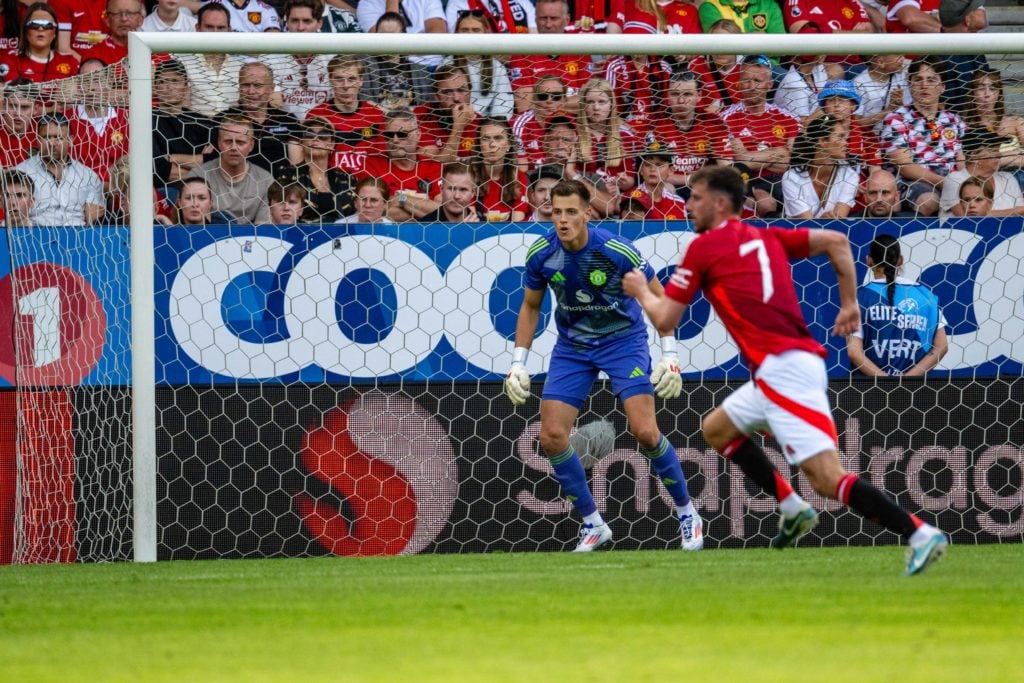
332,390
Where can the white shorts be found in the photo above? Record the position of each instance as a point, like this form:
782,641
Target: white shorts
788,398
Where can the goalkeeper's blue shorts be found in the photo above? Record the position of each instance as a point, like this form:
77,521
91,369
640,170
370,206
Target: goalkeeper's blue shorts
572,370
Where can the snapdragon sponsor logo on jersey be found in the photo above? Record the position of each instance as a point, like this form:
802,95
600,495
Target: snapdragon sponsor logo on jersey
328,304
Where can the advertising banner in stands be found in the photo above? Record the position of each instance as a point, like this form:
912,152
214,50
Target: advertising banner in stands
361,304
283,471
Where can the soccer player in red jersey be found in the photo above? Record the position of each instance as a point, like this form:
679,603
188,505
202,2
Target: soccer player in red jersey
744,272
357,122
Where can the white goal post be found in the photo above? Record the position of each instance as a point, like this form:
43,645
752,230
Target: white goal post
142,46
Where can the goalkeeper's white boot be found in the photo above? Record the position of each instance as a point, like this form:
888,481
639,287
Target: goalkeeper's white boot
691,527
593,537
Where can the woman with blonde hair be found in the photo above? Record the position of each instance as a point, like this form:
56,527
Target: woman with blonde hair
491,93
607,145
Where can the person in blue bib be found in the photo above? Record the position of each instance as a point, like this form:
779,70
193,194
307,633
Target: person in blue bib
903,331
599,329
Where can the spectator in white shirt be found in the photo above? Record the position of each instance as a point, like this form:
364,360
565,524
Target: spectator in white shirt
822,179
251,16
169,15
214,77
421,16
66,191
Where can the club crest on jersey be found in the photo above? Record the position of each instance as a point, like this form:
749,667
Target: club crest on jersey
64,69
367,132
255,18
778,131
598,278
848,13
760,21
949,134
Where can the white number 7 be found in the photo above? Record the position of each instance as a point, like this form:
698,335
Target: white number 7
766,270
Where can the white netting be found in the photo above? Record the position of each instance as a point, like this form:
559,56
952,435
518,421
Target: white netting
330,381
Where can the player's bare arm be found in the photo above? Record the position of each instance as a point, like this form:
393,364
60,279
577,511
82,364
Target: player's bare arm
940,345
837,247
663,312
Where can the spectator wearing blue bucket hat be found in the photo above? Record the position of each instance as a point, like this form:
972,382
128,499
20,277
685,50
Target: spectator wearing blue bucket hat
840,99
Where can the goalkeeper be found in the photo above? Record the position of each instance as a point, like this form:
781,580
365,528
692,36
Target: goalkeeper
599,329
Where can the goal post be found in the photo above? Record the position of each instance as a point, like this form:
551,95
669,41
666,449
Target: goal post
142,46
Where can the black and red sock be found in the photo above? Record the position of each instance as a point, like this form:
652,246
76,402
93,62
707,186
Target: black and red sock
749,457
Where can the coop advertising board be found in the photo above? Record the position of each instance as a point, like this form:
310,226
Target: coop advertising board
351,304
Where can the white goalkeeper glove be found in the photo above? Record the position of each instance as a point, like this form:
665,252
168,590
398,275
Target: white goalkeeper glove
517,383
668,383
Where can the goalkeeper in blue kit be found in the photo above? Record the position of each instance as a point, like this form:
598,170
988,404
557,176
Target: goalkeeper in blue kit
599,329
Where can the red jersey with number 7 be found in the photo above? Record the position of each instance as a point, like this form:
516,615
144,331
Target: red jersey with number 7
744,272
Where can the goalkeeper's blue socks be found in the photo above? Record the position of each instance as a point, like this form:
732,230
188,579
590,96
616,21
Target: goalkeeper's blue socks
570,474
666,463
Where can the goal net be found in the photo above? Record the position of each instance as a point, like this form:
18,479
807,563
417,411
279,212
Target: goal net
323,315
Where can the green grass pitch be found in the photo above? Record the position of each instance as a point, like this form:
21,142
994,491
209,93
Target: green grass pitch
842,614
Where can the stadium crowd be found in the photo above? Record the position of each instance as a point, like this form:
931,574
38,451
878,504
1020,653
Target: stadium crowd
349,138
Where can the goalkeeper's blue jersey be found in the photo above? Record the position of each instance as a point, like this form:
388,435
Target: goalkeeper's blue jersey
591,309
897,337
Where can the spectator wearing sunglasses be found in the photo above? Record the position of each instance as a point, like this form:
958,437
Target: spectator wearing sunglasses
548,97
449,123
36,57
923,140
329,190
409,176
525,70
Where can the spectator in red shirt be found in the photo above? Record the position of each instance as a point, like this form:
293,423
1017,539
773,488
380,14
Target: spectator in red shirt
548,97
83,23
99,132
655,191
607,145
459,196
36,57
695,138
17,123
123,17
449,123
525,70
761,135
639,81
719,74
10,23
831,16
502,183
356,121
410,177
655,16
